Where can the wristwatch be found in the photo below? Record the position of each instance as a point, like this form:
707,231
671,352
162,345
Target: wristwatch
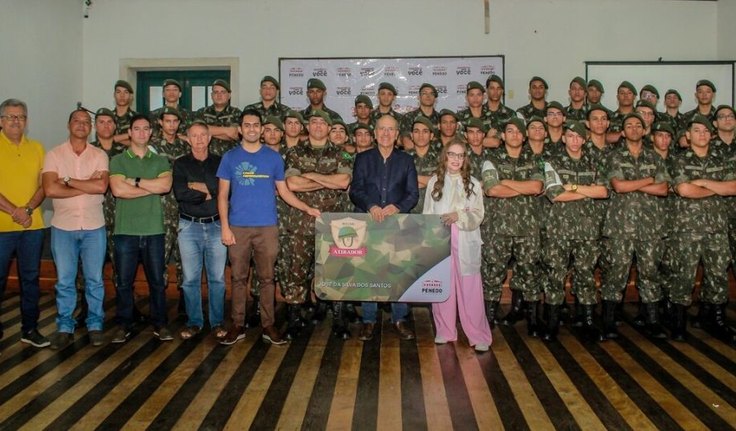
138,181
574,188
66,180
28,210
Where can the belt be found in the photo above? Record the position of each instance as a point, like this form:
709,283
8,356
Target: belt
211,219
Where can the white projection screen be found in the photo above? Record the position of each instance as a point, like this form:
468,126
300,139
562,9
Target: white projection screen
681,76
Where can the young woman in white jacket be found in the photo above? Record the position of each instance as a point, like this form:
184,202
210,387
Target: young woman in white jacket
458,199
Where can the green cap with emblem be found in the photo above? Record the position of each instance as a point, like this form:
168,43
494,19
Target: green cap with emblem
387,86
554,105
428,85
421,119
540,79
536,120
633,115
170,81
675,92
707,83
321,114
518,123
168,110
700,119
577,127
641,103
580,81
104,112
627,84
596,84
124,84
222,83
362,98
316,83
494,78
474,85
273,81
362,126
595,107
274,120
476,123
650,88
450,112
294,114
663,126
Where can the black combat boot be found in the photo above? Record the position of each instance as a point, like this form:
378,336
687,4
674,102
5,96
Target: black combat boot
678,321
319,311
295,324
718,326
590,332
640,320
339,320
610,332
516,312
577,321
701,320
553,322
653,328
532,318
491,311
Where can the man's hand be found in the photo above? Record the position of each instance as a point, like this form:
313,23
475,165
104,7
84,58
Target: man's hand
314,212
228,238
390,210
377,213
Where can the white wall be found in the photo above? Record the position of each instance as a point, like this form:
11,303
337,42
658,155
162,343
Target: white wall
726,29
41,62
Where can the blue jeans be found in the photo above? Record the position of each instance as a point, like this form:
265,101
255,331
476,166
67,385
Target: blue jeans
26,245
68,247
399,310
129,251
198,243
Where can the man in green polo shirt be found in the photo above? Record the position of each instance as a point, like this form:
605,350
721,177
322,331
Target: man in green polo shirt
137,179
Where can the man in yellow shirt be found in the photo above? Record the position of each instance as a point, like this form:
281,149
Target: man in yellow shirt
21,223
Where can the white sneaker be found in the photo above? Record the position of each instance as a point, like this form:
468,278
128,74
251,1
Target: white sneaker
439,340
481,347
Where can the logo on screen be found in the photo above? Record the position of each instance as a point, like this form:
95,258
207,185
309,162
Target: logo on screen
487,69
296,72
462,70
390,71
415,71
367,71
296,91
348,236
344,72
319,72
439,71
343,91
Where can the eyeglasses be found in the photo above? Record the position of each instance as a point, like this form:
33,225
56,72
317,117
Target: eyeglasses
457,156
12,118
726,117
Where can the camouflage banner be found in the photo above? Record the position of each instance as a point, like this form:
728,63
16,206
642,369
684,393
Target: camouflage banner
405,258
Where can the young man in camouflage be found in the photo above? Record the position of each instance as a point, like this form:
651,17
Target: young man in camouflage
554,117
595,92
537,94
625,96
577,92
425,155
573,184
269,106
448,128
171,93
672,114
316,90
702,175
474,94
512,178
363,109
386,96
498,113
705,94
317,173
221,119
427,99
637,177
123,94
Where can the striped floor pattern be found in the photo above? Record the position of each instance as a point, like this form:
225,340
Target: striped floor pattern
319,382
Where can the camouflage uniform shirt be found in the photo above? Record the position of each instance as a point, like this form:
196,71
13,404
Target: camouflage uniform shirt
228,117
427,166
327,160
275,110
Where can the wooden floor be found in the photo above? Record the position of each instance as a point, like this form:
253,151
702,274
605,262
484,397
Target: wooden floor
320,382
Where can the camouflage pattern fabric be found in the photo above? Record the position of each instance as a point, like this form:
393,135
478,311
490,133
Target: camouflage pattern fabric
306,113
690,114
498,253
407,123
576,114
426,165
677,122
500,117
228,117
376,114
557,255
122,122
275,110
616,258
529,111
688,249
186,119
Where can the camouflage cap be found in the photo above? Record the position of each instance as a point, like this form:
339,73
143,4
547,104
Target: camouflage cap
633,115
339,123
125,84
700,119
680,134
104,112
596,84
170,81
387,86
444,112
595,107
663,126
650,88
554,105
294,114
627,84
580,81
362,98
198,122
168,110
540,79
675,92
276,121
518,122
494,78
721,107
428,85
476,123
641,103
222,83
321,114
421,119
316,83
706,83
577,127
537,120
362,126
274,81
475,85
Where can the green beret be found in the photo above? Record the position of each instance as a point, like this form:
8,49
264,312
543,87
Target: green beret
537,78
675,92
581,82
633,115
198,122
171,82
474,85
276,121
720,107
627,84
125,84
168,110
362,98
646,104
537,120
222,83
706,83
316,83
294,114
476,123
444,112
494,78
428,85
663,126
275,82
555,105
321,114
362,126
518,122
387,86
596,107
596,84
104,112
650,88
339,123
700,119
421,119
577,127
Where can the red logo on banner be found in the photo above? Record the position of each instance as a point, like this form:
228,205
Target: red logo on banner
347,252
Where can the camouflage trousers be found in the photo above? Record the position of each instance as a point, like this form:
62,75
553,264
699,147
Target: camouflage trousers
297,259
171,234
496,254
688,250
732,241
616,257
557,256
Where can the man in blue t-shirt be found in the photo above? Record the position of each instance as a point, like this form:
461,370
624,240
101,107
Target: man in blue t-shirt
250,175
